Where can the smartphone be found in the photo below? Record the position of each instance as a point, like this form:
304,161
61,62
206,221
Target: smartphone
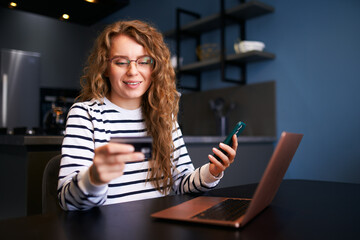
141,144
239,127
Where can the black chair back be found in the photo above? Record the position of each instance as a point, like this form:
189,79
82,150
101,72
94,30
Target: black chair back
49,186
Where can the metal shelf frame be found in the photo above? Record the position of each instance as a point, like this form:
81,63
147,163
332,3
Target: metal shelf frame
236,15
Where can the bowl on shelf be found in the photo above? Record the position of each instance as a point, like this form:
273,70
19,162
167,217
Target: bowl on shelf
207,51
247,46
173,61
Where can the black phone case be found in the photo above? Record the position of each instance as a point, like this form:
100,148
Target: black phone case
239,127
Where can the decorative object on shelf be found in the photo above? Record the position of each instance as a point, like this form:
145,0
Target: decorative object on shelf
173,61
208,51
247,46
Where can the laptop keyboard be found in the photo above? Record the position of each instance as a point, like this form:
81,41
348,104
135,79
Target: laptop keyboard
228,210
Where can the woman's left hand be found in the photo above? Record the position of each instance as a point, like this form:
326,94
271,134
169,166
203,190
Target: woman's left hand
227,158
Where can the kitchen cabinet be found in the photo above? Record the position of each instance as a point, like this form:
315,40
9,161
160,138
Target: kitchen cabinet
22,161
236,15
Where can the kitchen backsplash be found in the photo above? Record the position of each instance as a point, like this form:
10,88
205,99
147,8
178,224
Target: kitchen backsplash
254,104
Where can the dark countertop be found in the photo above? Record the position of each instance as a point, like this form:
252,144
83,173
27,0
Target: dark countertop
57,140
217,139
22,140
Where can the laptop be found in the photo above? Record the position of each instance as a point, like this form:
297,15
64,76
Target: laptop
236,212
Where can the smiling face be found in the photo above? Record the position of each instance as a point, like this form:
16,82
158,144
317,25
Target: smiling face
128,82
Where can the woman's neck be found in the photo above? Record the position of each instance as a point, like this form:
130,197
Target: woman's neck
129,104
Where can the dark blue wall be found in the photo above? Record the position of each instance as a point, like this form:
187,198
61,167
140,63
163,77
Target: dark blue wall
317,47
317,74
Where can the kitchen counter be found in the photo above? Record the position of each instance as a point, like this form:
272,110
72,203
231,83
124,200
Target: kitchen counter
217,139
29,140
21,140
22,162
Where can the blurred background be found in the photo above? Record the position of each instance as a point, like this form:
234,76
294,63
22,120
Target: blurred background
306,79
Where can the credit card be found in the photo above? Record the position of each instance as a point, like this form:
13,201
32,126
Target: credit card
141,144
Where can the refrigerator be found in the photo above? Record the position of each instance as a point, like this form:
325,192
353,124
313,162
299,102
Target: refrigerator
20,89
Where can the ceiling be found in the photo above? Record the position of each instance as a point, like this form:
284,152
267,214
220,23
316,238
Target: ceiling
79,11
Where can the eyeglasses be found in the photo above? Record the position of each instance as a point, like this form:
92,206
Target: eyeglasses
142,63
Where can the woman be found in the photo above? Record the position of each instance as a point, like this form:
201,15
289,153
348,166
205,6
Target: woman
128,89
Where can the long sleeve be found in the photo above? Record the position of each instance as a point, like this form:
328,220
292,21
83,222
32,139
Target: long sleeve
75,191
186,178
90,125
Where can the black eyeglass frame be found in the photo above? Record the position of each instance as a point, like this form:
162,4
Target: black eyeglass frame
130,61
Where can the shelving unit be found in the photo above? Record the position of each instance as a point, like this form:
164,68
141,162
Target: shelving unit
234,59
236,15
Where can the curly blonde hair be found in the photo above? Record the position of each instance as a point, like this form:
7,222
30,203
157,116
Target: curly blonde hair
160,103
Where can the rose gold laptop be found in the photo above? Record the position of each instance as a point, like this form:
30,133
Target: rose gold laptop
236,212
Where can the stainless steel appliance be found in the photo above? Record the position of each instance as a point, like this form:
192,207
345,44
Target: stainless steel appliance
19,89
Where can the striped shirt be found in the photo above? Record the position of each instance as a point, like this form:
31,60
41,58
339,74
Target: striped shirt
90,125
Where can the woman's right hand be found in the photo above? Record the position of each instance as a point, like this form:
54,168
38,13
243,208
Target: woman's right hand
109,162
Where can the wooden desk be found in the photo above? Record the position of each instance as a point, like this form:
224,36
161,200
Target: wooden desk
300,210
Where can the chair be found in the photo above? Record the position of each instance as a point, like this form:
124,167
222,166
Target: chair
50,202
